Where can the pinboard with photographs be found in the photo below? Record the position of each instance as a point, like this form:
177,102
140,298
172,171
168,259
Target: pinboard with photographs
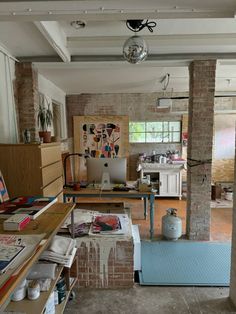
100,136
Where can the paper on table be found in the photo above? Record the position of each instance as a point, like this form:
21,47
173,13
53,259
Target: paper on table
81,215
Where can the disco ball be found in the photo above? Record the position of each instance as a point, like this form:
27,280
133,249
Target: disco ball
135,49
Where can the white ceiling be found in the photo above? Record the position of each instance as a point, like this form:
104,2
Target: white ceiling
89,60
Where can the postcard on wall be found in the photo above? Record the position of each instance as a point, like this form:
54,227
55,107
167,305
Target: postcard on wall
3,190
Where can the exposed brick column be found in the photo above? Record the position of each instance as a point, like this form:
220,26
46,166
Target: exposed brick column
200,128
74,108
232,292
27,97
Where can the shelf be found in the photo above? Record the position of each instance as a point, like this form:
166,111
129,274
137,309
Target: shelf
34,306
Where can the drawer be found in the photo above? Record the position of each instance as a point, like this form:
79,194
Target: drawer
54,188
51,173
50,155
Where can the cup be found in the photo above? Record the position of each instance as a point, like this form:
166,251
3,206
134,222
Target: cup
76,186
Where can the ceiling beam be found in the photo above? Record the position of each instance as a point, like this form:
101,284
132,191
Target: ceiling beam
101,10
165,40
110,16
56,38
182,58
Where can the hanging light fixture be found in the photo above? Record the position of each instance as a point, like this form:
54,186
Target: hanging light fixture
135,49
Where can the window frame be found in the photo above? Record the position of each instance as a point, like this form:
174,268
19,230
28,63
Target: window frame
164,130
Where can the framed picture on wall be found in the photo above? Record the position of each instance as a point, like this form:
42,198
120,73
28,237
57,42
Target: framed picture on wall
3,190
101,136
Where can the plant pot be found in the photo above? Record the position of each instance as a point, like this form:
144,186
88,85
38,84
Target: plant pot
46,135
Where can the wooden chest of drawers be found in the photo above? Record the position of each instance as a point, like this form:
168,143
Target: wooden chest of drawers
32,169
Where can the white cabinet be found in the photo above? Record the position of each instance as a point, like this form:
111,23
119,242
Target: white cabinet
169,184
166,178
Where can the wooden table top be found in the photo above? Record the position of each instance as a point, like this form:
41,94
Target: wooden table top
92,191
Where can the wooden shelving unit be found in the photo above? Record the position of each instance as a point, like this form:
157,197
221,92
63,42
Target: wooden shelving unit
49,227
37,306
34,306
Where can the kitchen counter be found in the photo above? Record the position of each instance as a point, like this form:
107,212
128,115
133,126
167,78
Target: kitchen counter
156,165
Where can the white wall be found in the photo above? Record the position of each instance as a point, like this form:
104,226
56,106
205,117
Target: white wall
8,120
57,95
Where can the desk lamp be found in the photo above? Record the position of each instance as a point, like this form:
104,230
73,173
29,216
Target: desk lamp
71,184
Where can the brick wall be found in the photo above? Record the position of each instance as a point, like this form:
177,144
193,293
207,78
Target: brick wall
139,107
105,262
200,128
26,86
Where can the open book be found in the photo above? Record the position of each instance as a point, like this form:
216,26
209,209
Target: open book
29,205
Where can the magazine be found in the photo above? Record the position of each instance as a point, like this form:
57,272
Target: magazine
106,223
8,254
118,226
30,205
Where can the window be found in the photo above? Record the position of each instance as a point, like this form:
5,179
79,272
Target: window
155,132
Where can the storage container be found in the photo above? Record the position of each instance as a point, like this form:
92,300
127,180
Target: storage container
171,225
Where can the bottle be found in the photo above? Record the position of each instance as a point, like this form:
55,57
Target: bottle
33,291
26,136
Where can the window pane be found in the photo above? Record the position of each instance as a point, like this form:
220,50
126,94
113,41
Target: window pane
174,126
154,126
137,137
176,137
166,137
137,126
154,137
166,126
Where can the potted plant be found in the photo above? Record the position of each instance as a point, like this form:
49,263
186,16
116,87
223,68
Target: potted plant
45,119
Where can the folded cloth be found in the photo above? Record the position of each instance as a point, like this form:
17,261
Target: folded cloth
61,245
60,250
57,258
42,271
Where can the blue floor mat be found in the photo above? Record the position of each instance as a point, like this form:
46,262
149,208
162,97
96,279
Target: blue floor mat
185,263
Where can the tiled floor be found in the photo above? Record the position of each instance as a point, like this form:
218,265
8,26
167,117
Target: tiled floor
221,219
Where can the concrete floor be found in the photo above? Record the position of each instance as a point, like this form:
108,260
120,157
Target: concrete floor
151,300
160,299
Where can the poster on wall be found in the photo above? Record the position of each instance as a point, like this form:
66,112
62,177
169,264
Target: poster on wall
101,139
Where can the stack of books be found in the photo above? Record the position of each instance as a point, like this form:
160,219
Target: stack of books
16,222
33,206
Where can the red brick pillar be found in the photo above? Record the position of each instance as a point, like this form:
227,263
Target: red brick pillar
200,128
27,97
